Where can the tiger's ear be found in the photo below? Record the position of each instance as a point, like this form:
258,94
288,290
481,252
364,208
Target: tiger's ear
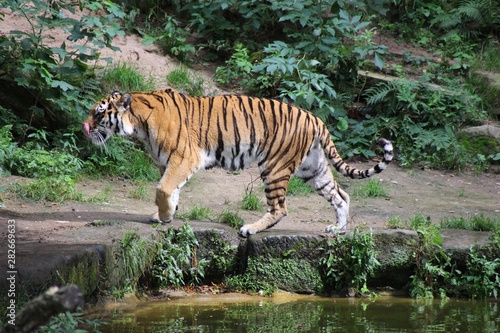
124,102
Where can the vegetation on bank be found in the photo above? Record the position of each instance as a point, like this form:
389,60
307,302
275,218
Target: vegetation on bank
344,264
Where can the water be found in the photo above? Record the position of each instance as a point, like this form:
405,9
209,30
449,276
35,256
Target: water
239,313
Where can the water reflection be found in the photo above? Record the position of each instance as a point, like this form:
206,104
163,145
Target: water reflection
305,314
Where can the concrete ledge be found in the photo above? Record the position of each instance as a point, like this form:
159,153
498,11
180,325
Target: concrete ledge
96,260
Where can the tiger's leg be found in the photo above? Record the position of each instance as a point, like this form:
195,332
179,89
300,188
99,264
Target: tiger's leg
275,188
316,172
168,190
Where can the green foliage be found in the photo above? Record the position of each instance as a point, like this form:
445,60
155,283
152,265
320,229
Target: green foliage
424,120
140,191
251,280
182,79
36,163
482,275
124,77
349,261
223,256
370,189
471,19
7,149
436,274
71,322
474,222
172,38
58,188
55,171
297,187
56,79
432,263
131,254
197,213
230,218
175,262
120,158
238,69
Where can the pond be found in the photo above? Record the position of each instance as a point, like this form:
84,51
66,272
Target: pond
241,313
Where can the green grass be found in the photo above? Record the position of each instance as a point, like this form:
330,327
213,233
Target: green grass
140,192
419,221
475,222
57,189
251,202
182,79
126,77
371,189
197,213
230,218
297,187
102,196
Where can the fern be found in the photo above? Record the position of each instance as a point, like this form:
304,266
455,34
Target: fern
378,93
471,18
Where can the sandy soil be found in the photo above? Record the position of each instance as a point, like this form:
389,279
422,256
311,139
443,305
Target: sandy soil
432,193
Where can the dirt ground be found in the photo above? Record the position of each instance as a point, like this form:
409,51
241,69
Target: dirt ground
433,193
410,192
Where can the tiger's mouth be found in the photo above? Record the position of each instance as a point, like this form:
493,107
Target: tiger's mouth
98,137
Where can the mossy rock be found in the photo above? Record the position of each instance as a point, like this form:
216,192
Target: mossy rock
395,254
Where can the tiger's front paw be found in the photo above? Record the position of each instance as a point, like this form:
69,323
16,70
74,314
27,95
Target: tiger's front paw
247,230
155,218
335,229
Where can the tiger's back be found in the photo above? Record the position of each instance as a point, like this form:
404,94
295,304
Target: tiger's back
185,134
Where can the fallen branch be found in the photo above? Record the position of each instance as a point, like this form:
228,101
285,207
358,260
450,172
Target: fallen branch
39,310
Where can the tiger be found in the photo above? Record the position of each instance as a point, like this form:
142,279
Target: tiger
184,134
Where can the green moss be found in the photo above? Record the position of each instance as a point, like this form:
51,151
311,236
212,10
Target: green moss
297,275
84,272
483,145
104,223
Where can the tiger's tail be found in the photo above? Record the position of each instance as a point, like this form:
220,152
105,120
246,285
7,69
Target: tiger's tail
352,172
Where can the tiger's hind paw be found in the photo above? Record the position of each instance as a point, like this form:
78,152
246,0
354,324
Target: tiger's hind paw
335,229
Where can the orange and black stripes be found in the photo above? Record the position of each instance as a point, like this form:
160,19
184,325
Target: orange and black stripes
185,134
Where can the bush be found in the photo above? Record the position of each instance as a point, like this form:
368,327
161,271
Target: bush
54,80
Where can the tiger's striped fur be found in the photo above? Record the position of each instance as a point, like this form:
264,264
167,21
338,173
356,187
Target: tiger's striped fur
185,134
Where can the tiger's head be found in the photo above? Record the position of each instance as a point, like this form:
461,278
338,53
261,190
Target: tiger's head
108,117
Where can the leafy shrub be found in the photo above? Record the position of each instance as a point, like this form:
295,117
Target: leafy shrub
58,188
175,261
424,120
349,261
172,38
70,322
472,19
482,276
55,79
36,163
7,149
119,158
